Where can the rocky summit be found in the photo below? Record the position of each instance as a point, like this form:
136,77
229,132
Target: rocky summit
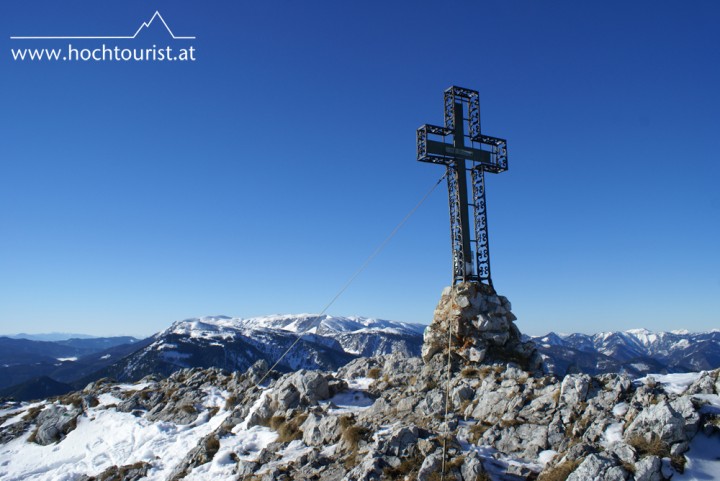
380,418
494,415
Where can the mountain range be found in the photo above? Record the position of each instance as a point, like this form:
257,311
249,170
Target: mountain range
636,352
32,369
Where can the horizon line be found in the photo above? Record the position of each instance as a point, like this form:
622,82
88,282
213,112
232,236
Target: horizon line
122,37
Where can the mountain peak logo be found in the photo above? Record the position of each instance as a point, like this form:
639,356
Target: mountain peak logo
144,26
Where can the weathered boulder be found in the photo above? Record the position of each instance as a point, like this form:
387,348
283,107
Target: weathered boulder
369,468
399,441
472,466
431,465
649,468
54,423
132,472
301,387
598,468
685,408
574,389
705,384
320,429
657,420
201,454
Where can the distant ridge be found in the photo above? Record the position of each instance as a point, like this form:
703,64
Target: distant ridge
634,351
49,336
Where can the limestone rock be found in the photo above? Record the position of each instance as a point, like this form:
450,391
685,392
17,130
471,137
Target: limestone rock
596,467
685,408
132,472
320,430
574,388
472,466
649,469
201,454
705,384
399,441
54,423
431,465
369,469
658,419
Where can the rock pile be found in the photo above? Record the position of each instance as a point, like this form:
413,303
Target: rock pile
479,327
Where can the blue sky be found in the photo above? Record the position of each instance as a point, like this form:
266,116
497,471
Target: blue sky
256,179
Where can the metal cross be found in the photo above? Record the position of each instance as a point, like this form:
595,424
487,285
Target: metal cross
479,155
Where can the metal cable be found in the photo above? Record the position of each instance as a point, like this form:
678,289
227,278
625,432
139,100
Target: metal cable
447,391
352,278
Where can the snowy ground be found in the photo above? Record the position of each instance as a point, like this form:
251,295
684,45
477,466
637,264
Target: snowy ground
105,437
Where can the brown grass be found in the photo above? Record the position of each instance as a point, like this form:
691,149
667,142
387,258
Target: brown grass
655,446
32,413
212,445
72,399
287,429
408,466
354,434
509,423
476,432
559,472
629,467
678,463
230,402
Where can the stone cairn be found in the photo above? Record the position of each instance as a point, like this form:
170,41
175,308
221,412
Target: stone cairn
482,330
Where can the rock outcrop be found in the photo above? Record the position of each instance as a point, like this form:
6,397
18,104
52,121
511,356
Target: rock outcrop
394,417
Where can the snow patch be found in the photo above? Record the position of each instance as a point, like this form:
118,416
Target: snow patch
546,456
703,462
103,438
612,434
620,409
672,383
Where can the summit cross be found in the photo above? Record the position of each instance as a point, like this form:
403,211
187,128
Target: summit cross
471,152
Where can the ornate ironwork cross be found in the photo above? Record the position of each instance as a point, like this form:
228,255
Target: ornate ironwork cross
479,155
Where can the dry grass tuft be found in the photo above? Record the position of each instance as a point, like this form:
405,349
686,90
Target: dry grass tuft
287,429
655,446
559,472
477,430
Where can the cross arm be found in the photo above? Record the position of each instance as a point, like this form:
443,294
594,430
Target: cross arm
436,152
498,153
423,154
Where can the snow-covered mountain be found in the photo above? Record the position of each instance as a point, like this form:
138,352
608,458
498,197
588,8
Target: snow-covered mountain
319,342
636,351
329,342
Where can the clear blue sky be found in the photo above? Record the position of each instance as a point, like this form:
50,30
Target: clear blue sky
256,179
